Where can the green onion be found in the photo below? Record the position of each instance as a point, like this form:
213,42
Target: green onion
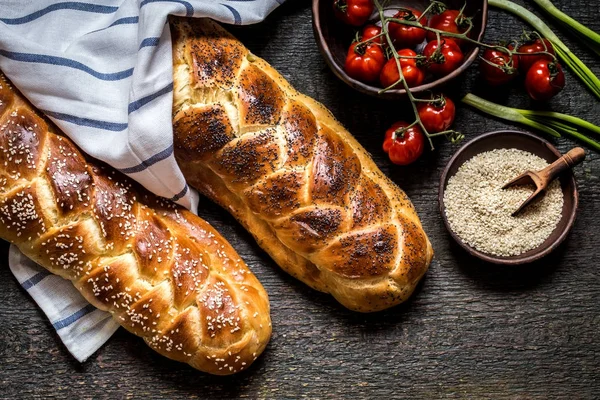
549,122
585,34
568,119
562,51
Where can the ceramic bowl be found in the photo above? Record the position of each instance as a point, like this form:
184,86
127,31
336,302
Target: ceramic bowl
535,145
334,37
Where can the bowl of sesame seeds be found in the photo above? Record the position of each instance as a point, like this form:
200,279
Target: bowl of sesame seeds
477,211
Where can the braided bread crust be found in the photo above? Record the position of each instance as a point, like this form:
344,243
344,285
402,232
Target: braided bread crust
291,174
163,273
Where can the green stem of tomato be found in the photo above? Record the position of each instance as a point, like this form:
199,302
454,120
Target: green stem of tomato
384,29
393,85
443,133
370,39
469,29
464,36
402,130
460,14
444,33
412,99
429,7
421,100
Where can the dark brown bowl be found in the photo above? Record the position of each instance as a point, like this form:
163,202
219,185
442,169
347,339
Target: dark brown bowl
334,37
534,145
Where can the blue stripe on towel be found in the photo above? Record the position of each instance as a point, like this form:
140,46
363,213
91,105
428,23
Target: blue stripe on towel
69,5
136,105
180,194
107,126
34,280
148,42
150,161
120,21
189,9
237,18
63,323
66,62
125,20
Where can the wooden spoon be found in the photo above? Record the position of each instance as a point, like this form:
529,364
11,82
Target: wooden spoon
541,179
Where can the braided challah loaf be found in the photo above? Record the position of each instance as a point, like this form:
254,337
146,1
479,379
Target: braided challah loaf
162,272
291,174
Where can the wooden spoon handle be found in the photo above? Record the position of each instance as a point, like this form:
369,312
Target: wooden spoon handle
574,156
568,161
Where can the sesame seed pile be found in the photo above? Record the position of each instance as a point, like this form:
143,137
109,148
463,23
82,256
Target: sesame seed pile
479,210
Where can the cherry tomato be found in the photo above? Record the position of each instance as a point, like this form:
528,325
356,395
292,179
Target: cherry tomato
537,46
449,21
364,62
437,115
447,60
497,67
408,145
405,35
370,31
412,72
544,80
353,12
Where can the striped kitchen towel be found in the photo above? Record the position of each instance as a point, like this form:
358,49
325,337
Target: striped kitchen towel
102,71
81,327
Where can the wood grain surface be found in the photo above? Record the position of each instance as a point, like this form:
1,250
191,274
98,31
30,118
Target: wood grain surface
472,330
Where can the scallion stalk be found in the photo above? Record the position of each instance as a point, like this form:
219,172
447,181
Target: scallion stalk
568,119
562,51
587,36
548,122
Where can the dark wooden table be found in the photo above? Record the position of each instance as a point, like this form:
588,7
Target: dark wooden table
471,330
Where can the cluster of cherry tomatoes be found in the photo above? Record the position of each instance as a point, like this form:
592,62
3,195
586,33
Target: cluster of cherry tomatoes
534,59
404,143
369,59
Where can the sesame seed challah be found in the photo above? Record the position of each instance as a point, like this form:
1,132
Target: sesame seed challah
162,272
